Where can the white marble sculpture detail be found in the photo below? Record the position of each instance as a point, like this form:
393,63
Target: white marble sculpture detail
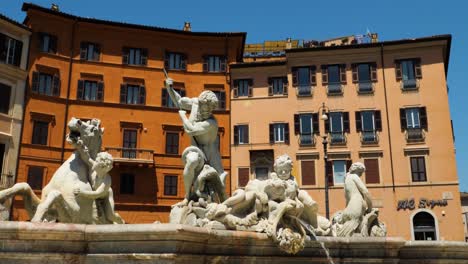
204,175
69,196
359,218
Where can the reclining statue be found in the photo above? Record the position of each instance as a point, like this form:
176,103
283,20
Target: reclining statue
59,202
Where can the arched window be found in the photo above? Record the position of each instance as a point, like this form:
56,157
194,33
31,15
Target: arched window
424,226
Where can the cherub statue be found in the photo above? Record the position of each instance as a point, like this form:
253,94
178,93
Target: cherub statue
101,184
203,155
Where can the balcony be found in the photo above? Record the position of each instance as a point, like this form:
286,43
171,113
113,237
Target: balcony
304,90
369,137
409,85
306,140
6,181
131,155
337,138
335,89
415,135
365,87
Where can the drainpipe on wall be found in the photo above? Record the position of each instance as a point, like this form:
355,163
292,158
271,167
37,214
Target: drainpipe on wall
388,121
65,121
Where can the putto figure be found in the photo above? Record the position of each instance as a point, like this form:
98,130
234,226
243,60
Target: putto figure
204,175
358,218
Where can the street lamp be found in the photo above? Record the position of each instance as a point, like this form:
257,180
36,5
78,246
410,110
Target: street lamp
324,117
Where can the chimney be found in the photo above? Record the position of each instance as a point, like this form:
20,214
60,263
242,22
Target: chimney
55,7
187,26
288,43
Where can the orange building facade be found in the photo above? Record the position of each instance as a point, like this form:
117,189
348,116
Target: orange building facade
386,105
89,68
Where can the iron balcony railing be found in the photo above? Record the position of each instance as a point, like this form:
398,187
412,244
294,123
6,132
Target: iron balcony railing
6,181
306,140
337,138
411,84
369,137
415,134
304,90
365,87
131,154
334,88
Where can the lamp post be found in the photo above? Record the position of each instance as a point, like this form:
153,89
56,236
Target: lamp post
324,117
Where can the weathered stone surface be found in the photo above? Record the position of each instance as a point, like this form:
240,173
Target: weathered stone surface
24,242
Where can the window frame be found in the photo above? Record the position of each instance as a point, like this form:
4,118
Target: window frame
169,187
423,157
168,146
243,85
278,129
13,50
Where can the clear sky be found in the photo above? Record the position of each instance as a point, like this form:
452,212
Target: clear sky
302,19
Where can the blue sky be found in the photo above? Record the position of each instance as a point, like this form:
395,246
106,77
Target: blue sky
275,20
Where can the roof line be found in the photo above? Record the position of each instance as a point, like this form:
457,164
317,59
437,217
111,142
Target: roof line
27,6
11,21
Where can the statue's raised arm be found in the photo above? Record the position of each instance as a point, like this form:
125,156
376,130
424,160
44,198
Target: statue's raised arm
180,102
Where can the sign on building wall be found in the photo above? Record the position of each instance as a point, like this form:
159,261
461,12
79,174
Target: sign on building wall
410,204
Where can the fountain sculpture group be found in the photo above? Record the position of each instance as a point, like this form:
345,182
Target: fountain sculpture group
79,191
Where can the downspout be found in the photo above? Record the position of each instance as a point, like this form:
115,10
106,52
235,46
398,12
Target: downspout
388,120
25,97
228,98
65,121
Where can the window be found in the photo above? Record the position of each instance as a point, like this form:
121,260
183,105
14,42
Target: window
308,172
90,90
424,226
40,132
127,183
10,50
339,171
261,173
368,123
134,56
35,177
414,120
172,143
307,125
2,155
90,51
364,74
46,84
175,61
214,64
244,176
277,86
303,79
166,98
221,95
132,94
408,71
337,124
48,43
241,134
5,92
170,185
129,143
242,87
418,169
279,133
334,76
372,170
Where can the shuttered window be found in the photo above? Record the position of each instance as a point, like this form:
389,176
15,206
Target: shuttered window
308,172
214,64
40,132
90,90
46,84
175,61
90,51
372,170
166,100
170,185
418,169
134,56
47,43
172,143
132,94
244,176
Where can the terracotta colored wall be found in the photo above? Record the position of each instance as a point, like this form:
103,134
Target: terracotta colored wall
148,203
260,110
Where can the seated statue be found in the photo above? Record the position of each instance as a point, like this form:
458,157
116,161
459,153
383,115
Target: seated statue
358,218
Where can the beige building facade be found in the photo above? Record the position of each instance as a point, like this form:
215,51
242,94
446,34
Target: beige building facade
386,105
14,45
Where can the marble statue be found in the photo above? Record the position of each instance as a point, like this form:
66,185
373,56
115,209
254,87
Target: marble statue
275,206
359,218
69,196
204,175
